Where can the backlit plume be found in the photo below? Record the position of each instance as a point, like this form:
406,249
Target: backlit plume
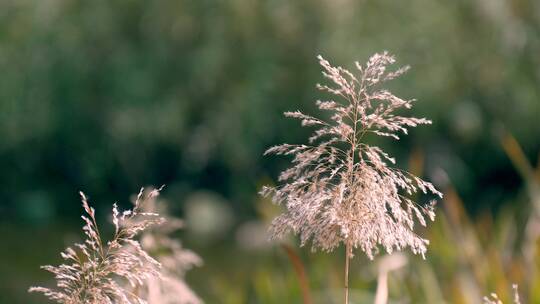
340,189
170,287
98,272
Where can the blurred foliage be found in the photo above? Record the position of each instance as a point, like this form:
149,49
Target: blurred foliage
107,96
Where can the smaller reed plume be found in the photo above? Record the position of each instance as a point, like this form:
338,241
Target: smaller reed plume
170,287
97,272
494,298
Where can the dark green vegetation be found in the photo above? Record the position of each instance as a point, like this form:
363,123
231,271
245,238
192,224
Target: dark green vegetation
107,96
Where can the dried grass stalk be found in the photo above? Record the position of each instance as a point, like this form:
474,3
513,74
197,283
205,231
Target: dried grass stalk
340,189
97,272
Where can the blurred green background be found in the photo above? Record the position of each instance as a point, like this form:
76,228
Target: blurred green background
108,96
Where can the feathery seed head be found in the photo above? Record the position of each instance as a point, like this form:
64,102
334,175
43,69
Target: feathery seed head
97,273
341,190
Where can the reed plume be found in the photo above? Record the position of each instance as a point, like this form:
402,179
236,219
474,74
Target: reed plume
493,298
339,189
170,287
97,272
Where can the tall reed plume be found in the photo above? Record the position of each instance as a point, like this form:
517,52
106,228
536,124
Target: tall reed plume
340,190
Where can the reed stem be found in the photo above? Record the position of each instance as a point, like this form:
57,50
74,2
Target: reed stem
347,257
